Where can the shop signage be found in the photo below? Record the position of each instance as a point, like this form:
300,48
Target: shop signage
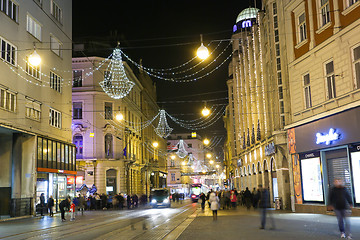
327,138
270,149
246,23
70,180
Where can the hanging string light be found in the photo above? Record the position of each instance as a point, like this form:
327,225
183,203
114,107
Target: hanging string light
163,130
116,84
202,52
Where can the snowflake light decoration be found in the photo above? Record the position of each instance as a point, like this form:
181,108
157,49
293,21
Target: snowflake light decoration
116,84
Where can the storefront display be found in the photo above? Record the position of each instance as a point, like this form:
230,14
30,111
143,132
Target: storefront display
312,180
355,162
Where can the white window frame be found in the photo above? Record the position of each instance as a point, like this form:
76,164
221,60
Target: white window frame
7,11
324,13
32,109
57,48
349,3
307,91
55,118
31,70
354,62
331,77
301,26
56,11
10,53
8,100
33,27
55,81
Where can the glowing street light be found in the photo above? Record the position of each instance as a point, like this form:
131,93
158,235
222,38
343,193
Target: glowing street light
206,141
208,155
119,117
217,165
183,163
193,167
34,59
155,144
202,52
205,112
172,157
211,162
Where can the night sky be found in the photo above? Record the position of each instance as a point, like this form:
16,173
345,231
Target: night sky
163,33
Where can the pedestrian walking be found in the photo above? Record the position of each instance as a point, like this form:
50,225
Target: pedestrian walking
128,201
214,201
42,204
50,205
264,204
64,204
203,200
72,211
340,201
247,198
82,204
233,199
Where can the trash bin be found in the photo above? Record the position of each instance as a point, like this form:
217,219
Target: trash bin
278,203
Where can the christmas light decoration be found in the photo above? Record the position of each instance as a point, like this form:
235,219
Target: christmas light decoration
163,130
181,152
116,84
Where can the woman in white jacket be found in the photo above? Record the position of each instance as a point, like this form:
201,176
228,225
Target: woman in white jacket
214,201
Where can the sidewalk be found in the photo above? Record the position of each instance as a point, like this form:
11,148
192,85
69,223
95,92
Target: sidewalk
243,224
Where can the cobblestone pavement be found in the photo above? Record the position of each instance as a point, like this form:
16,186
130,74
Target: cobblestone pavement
243,224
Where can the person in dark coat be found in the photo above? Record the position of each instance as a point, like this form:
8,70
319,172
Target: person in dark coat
203,200
264,203
64,204
42,204
50,205
340,201
128,201
247,198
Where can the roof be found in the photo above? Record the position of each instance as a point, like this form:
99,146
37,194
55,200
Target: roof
247,13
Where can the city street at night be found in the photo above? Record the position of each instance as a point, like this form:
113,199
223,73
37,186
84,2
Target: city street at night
181,221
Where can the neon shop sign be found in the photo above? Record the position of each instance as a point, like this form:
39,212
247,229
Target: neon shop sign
327,138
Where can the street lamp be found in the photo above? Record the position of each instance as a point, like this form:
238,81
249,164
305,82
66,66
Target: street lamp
34,59
217,165
205,112
172,157
119,117
211,162
155,144
208,155
206,141
202,51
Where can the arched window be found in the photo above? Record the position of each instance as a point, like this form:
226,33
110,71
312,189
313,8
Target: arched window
249,170
254,169
78,141
245,171
236,172
108,146
259,167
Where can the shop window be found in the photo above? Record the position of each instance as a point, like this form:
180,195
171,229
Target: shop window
330,80
45,153
312,180
50,153
54,155
66,157
356,66
355,163
39,152
108,146
78,141
111,180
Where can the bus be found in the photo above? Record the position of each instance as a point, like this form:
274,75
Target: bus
196,189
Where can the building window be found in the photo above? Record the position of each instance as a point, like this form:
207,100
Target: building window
325,12
307,91
330,80
32,109
173,177
277,49
77,78
108,111
282,109
172,163
39,2
78,141
7,52
77,110
55,81
108,145
281,94
350,2
10,8
7,100
56,11
356,65
302,27
33,71
54,118
33,27
190,145
56,46
279,78
278,64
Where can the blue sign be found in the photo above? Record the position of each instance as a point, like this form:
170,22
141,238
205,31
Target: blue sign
327,138
246,24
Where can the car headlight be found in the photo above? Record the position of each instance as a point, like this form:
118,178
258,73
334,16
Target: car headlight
166,200
153,201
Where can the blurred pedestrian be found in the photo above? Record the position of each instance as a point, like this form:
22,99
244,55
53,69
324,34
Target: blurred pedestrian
247,198
264,204
128,201
340,201
203,200
64,204
81,204
72,210
233,199
214,201
42,204
50,205
256,197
